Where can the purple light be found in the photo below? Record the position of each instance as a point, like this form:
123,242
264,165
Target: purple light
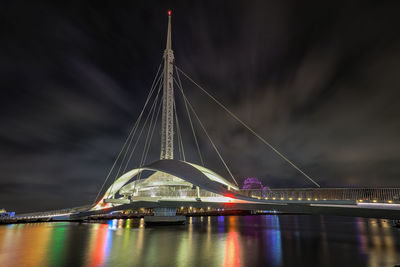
252,183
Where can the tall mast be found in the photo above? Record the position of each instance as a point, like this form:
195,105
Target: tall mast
167,131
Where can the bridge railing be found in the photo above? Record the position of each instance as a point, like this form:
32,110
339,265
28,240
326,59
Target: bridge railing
52,212
358,194
166,193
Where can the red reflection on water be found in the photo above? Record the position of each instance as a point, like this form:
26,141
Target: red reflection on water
232,250
232,247
98,253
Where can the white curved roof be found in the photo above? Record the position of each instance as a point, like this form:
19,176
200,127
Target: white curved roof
190,172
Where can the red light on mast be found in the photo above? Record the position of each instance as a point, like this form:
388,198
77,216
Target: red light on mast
169,12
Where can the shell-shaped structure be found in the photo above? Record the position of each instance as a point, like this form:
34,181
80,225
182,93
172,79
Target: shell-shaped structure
181,174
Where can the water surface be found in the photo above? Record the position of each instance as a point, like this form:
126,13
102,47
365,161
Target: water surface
268,240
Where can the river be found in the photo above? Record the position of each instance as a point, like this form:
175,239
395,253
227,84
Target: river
262,240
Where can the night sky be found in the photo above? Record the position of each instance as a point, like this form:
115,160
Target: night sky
319,80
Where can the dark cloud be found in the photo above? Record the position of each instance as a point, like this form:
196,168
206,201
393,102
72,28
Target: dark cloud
319,80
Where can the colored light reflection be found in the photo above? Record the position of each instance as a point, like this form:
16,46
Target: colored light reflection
361,235
25,245
214,241
101,239
273,240
128,223
232,249
57,243
185,247
221,224
382,248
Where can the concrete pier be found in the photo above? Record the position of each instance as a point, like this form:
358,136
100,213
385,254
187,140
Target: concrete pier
164,216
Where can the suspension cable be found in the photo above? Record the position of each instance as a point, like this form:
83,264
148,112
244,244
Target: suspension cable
149,133
208,136
248,127
141,131
137,141
132,132
152,131
190,120
126,151
153,86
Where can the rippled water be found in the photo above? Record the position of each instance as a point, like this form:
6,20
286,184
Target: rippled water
270,240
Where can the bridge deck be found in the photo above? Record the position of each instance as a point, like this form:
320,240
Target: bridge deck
357,202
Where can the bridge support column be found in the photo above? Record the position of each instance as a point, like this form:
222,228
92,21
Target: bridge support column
164,216
198,193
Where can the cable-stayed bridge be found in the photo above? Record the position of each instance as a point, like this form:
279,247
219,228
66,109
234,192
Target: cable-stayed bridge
171,181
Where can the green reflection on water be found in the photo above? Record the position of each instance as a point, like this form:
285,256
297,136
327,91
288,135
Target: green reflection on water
57,244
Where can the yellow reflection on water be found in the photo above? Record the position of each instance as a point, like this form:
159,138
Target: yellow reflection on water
7,234
233,223
388,240
190,234
387,234
184,249
382,251
376,237
140,239
25,246
126,235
